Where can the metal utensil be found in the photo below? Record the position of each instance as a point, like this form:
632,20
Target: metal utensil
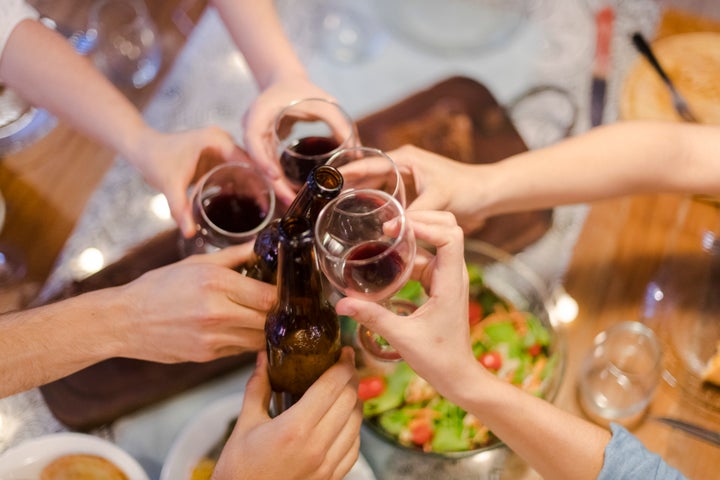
679,102
702,433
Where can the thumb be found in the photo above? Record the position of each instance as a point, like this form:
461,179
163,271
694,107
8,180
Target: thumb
257,394
370,314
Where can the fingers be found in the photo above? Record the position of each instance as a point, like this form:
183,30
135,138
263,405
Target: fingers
230,257
321,396
257,394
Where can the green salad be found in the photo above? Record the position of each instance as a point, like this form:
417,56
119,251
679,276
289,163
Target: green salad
509,342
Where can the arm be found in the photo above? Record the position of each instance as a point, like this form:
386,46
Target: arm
217,313
544,435
619,159
83,97
257,31
318,438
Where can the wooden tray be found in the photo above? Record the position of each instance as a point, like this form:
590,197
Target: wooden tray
460,119
481,133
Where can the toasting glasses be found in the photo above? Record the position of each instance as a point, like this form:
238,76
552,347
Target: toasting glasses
366,249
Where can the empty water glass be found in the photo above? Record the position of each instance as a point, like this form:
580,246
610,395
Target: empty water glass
619,375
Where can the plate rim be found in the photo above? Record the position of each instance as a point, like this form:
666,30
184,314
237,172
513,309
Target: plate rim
46,448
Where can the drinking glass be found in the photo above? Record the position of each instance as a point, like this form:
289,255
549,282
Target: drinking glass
125,42
366,249
365,167
231,203
619,375
307,133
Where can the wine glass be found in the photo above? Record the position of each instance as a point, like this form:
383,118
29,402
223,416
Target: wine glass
125,44
366,167
366,249
307,133
231,203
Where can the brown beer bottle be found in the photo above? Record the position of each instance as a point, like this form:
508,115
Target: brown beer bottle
323,184
302,330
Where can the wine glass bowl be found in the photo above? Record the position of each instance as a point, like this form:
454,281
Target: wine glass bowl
365,246
231,204
366,167
307,133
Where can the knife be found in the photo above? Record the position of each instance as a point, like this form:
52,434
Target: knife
601,65
702,433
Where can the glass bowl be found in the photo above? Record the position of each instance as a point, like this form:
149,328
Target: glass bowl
454,27
515,283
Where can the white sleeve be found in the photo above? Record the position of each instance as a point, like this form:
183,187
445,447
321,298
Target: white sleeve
13,12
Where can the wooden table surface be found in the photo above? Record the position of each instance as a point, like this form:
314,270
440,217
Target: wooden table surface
47,185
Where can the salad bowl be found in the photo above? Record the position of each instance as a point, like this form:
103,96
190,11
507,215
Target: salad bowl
512,336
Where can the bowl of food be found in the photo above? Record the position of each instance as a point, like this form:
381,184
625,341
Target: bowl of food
511,335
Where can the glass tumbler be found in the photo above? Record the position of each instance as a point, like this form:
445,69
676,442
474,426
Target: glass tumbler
619,375
126,45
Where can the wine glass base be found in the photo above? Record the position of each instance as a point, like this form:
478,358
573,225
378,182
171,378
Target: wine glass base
375,344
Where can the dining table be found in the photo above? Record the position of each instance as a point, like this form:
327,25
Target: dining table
66,194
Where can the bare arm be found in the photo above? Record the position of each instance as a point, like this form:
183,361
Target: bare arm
69,86
195,310
619,159
43,68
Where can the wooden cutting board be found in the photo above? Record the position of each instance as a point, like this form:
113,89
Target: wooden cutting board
458,117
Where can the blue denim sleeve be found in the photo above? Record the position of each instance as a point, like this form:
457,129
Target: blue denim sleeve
627,458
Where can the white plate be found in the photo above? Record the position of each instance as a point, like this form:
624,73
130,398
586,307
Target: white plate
26,461
203,431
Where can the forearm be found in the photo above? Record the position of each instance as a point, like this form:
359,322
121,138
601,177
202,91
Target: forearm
257,31
42,67
45,343
555,443
620,159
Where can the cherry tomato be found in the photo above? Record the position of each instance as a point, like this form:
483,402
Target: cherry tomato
371,387
535,349
421,431
475,312
491,360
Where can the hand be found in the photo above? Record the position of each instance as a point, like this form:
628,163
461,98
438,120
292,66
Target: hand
443,184
435,338
195,310
259,122
169,161
317,438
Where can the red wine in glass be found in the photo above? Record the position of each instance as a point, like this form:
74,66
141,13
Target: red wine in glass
233,213
299,158
379,273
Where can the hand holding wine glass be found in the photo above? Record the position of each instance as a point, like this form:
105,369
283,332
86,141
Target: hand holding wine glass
307,133
366,249
366,167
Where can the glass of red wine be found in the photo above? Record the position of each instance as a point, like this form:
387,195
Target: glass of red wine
366,167
307,133
231,203
366,249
